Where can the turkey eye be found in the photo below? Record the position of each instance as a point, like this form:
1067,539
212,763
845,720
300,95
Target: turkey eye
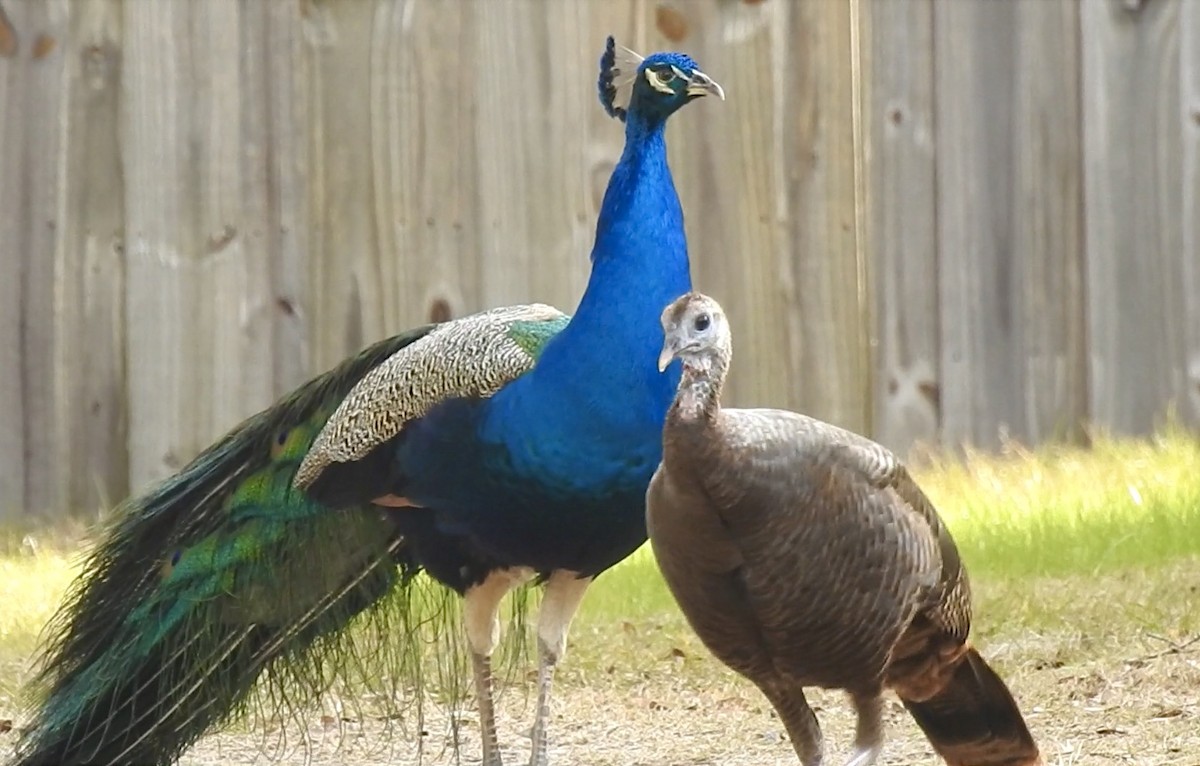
666,75
701,323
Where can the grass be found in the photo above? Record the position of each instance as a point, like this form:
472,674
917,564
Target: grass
1053,512
1049,512
31,586
1084,563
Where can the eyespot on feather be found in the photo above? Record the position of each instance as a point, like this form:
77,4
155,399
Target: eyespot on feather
168,565
279,443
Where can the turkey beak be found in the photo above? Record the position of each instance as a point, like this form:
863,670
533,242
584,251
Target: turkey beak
667,356
700,84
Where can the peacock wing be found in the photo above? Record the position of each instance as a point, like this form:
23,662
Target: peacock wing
470,357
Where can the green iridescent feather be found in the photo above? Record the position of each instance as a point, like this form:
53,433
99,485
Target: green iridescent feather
532,336
224,589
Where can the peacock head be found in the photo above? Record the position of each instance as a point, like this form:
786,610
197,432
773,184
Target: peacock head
695,331
652,87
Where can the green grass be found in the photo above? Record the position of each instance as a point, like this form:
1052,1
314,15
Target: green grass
1076,546
30,589
1057,511
1055,539
1050,512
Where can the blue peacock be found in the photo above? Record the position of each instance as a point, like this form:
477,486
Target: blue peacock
510,445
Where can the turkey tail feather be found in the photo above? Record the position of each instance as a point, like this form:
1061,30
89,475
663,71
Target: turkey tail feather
974,720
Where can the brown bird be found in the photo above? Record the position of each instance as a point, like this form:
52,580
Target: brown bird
804,555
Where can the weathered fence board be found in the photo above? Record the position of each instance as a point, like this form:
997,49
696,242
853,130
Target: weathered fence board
1189,115
194,264
828,325
346,301
903,236
45,383
424,164
90,307
767,181
1009,242
1132,152
728,164
282,86
162,359
14,87
972,42
1047,229
935,221
33,206
532,143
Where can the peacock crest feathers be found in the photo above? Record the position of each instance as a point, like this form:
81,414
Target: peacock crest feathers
618,70
672,75
472,356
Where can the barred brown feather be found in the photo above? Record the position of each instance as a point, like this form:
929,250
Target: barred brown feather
805,555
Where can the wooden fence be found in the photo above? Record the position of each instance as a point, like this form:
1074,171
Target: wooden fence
938,220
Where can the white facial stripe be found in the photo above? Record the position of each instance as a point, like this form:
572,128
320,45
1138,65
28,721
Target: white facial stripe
678,72
624,87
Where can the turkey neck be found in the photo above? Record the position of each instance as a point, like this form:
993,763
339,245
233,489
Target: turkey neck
698,401
692,445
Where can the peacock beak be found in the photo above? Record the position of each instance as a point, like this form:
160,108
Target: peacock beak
700,84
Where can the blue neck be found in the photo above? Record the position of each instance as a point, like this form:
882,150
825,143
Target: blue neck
601,370
639,259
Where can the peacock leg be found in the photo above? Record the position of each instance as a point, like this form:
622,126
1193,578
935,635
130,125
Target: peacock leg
481,612
564,591
868,734
487,710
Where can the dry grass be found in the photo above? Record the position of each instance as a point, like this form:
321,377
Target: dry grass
1107,676
1099,687
1107,711
1086,572
1112,680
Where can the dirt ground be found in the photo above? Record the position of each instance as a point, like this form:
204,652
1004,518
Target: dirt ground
1099,686
1135,704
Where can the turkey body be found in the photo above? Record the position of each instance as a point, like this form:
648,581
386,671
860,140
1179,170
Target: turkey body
803,555
830,566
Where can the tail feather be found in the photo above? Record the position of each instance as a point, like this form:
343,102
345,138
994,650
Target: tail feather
220,579
974,720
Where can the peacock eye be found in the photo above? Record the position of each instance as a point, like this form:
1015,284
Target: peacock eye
702,322
279,443
666,75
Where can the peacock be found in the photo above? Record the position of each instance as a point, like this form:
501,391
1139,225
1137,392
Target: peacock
510,446
805,555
